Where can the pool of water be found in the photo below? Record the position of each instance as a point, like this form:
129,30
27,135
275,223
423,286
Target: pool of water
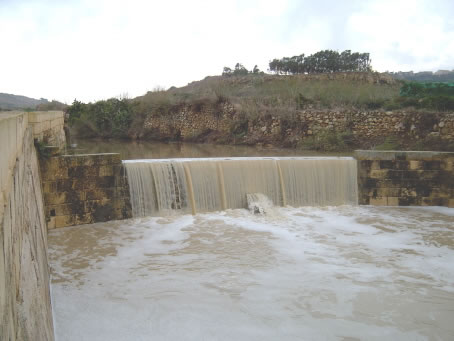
131,150
333,273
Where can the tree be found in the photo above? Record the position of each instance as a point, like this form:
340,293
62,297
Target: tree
322,62
227,71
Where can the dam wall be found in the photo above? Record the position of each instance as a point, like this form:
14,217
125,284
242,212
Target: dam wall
163,187
84,189
398,178
25,305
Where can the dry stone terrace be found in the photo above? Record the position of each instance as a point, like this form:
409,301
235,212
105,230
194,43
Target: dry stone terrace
368,127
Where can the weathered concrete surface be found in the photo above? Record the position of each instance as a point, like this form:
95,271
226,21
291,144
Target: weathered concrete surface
25,307
84,189
397,178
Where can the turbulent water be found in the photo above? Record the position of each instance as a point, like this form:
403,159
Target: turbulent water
162,187
333,273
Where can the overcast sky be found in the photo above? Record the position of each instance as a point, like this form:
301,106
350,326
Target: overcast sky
96,49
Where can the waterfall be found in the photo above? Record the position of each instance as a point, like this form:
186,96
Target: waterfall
175,186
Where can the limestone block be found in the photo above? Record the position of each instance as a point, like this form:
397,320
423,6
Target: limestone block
451,203
86,218
414,164
379,174
106,170
388,192
51,223
448,166
65,220
100,193
380,201
393,201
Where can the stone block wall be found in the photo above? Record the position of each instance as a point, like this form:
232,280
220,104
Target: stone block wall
48,127
84,189
396,178
25,305
12,131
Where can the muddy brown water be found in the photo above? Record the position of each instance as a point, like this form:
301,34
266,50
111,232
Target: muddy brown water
311,273
130,150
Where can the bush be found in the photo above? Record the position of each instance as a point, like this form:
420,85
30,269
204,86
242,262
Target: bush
440,103
239,128
110,118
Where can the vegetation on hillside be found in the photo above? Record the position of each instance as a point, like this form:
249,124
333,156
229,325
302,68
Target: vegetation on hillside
430,95
110,118
256,96
321,62
240,70
424,76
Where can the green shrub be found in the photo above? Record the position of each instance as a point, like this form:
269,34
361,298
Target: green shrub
239,128
439,103
110,118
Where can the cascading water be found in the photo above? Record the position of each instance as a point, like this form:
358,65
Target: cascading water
163,187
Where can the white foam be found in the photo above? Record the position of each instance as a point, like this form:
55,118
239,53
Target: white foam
308,273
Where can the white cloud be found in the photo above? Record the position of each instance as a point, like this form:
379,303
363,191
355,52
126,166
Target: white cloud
94,49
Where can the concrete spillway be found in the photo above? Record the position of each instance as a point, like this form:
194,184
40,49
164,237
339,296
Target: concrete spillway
162,187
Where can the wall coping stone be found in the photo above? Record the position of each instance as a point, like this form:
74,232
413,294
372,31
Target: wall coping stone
401,155
87,155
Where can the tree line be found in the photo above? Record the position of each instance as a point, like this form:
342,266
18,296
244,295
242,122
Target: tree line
322,62
240,70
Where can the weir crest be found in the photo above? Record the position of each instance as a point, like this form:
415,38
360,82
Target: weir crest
168,186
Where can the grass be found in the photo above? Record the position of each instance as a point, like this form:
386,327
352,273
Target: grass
273,91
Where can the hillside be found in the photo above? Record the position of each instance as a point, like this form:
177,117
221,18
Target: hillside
325,90
329,111
15,102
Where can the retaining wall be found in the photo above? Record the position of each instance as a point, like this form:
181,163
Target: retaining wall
397,178
368,128
84,189
25,306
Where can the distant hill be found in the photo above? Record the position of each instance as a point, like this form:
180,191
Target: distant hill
15,102
9,102
424,76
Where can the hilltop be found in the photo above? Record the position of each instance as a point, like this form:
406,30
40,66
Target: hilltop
16,102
